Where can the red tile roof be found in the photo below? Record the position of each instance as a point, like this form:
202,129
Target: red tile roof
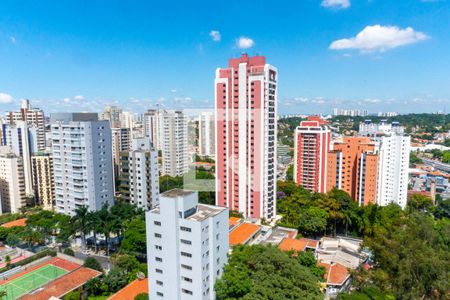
132,290
19,223
288,244
335,274
233,221
243,233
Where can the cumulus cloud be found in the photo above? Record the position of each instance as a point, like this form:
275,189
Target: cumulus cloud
379,38
336,3
244,42
79,97
6,98
13,39
215,35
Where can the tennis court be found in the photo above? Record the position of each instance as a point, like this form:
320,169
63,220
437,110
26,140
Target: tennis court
31,281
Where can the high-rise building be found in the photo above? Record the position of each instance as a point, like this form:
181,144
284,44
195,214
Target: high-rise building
82,162
246,136
207,138
393,160
23,139
31,116
12,182
42,175
312,143
353,167
393,166
187,246
139,174
121,141
173,142
151,127
127,120
113,114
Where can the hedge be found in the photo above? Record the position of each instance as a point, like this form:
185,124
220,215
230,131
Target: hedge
46,252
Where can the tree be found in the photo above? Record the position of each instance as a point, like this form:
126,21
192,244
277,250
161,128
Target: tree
7,260
134,238
80,223
93,223
69,251
443,209
141,296
312,221
107,224
92,263
265,272
115,280
419,203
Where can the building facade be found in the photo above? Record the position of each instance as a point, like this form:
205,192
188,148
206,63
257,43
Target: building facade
121,141
311,146
151,127
42,176
12,182
352,166
187,246
32,116
207,138
174,143
82,162
246,136
139,175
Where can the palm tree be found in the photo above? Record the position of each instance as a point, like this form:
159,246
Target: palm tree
80,223
93,222
106,224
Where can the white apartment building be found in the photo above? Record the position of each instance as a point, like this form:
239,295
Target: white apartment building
31,116
187,246
139,174
173,142
393,160
393,165
82,162
23,139
151,127
12,183
113,114
207,134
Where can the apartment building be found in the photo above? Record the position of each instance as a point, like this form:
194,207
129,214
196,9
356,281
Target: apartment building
246,136
187,246
82,162
174,142
12,182
42,176
139,174
312,144
352,166
32,116
207,137
151,127
121,141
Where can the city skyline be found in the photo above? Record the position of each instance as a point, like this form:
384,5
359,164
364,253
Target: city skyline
65,58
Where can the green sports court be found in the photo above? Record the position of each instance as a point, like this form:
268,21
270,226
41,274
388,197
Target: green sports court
30,281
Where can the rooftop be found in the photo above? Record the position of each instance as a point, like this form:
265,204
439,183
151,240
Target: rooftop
131,290
177,193
243,233
205,211
335,273
289,244
19,223
233,221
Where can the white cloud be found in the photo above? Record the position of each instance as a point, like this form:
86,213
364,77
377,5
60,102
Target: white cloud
336,3
215,35
6,98
79,97
244,42
379,38
12,39
66,100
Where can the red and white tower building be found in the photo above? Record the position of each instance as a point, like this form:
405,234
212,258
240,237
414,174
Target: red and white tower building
246,135
312,143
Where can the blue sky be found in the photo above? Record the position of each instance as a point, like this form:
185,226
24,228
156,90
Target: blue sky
380,55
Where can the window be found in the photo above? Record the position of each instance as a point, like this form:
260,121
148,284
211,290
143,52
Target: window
187,229
186,291
158,235
159,282
159,259
186,242
158,247
186,254
158,271
160,294
186,279
186,267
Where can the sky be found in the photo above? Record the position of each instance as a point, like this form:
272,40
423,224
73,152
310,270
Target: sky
378,55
